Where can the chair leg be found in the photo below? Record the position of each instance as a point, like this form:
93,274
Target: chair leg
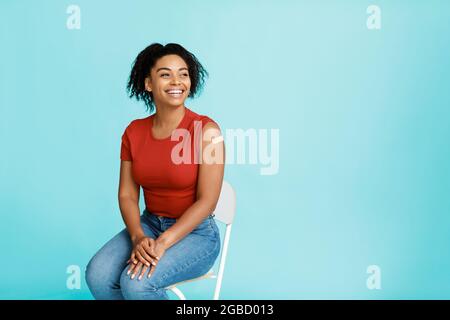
178,293
223,258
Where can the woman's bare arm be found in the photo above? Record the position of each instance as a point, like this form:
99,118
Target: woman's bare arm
129,201
210,178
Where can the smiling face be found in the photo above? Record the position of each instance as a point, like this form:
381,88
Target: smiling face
169,81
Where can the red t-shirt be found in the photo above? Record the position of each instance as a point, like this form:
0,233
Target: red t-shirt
169,188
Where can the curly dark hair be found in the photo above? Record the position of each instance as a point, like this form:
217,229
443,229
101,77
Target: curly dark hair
147,58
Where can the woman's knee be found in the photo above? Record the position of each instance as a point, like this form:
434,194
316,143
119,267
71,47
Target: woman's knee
93,274
99,273
144,289
107,264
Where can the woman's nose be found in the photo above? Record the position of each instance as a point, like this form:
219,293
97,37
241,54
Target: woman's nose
175,80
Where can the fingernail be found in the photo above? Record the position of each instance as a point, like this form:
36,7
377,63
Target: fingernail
153,263
140,278
128,272
149,275
157,258
132,276
147,264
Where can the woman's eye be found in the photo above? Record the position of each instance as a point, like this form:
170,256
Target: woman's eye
166,74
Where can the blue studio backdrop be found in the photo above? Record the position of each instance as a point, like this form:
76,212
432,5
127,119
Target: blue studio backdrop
342,187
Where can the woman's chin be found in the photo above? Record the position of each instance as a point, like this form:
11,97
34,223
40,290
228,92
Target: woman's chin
175,102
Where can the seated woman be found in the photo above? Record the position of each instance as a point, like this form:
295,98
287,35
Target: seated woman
177,156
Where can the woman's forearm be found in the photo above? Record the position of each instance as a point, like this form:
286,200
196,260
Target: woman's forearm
190,219
129,209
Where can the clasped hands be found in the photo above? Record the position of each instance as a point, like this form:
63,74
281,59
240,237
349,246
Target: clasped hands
145,255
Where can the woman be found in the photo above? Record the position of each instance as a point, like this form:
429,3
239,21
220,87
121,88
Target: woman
176,237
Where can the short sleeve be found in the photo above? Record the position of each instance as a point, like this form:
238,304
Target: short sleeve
211,135
206,120
125,149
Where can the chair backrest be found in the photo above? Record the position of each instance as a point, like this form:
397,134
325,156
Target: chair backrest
226,205
224,212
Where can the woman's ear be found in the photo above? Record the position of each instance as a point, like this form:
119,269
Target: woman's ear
148,84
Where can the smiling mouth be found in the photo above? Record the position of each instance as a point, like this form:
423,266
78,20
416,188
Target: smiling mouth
176,93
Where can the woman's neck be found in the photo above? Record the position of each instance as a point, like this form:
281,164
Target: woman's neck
168,117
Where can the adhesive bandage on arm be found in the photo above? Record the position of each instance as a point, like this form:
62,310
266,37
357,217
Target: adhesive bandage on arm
217,139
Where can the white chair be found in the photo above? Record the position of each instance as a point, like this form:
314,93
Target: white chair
224,212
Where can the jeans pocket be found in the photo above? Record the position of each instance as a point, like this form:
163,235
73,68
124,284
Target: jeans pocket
214,226
204,228
211,221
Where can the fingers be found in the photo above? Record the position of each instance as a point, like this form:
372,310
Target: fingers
151,271
144,269
133,258
141,258
152,248
131,268
139,269
148,250
136,268
144,253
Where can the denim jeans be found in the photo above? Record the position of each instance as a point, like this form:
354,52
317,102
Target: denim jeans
190,257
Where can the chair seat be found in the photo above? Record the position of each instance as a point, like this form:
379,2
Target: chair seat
208,275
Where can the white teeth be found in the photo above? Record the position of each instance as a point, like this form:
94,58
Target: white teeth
174,91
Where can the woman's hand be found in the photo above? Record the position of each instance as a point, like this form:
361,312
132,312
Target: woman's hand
141,255
146,252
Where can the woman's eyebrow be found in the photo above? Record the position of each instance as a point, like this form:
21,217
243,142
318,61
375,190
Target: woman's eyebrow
165,68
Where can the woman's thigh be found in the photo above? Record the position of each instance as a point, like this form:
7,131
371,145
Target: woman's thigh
191,257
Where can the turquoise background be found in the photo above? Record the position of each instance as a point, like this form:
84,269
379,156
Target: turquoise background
364,174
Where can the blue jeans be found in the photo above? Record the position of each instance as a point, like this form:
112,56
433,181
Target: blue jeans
191,257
